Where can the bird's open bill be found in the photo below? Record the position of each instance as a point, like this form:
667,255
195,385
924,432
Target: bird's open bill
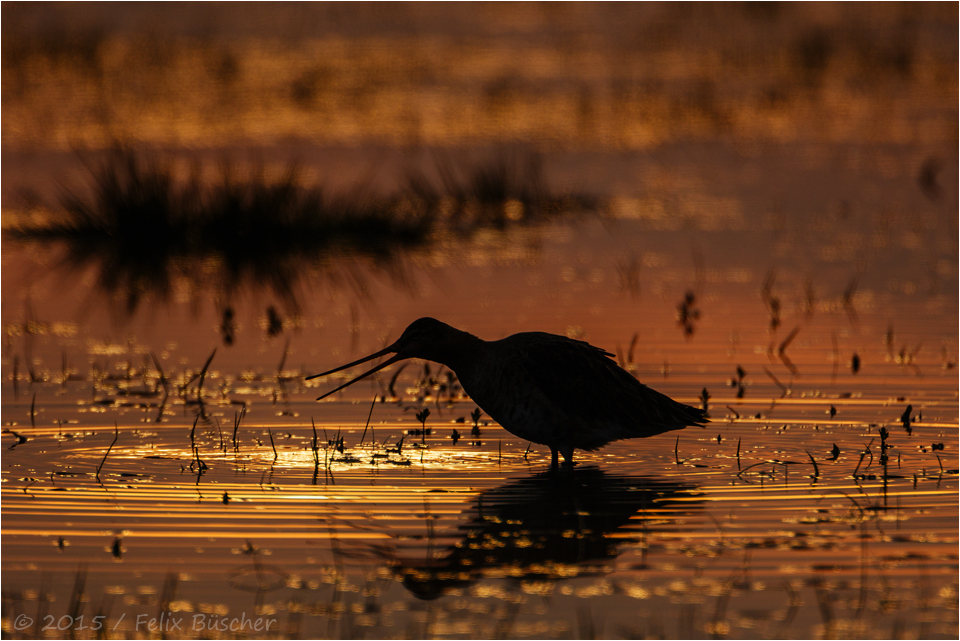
379,367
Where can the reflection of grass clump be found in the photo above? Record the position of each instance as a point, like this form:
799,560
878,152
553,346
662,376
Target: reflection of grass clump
505,190
146,230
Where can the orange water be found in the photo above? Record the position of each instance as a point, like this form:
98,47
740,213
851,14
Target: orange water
743,155
728,530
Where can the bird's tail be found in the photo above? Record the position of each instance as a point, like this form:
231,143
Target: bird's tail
680,415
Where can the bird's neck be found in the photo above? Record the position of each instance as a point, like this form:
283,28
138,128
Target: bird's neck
462,353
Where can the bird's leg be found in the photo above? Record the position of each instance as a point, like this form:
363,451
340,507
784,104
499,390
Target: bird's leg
554,452
567,451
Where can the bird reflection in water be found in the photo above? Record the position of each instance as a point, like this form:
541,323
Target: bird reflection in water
545,527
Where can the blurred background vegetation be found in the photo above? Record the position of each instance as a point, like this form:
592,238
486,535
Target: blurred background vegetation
555,75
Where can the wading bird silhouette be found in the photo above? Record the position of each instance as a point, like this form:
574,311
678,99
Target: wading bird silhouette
548,389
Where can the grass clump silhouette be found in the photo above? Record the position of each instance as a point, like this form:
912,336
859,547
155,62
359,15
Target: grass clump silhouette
506,189
149,231
145,230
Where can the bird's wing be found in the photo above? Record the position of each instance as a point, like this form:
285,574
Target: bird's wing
584,382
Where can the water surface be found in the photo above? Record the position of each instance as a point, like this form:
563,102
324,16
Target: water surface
782,249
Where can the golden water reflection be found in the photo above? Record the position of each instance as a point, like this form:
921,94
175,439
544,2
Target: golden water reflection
721,536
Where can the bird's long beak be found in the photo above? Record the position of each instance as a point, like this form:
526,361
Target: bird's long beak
379,367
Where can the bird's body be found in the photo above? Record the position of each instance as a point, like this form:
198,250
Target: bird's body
548,389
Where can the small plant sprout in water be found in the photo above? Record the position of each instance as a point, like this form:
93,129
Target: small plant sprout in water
314,446
906,358
884,434
688,314
772,302
816,468
905,419
782,351
228,328
738,382
116,435
272,444
475,416
21,439
849,295
422,417
117,549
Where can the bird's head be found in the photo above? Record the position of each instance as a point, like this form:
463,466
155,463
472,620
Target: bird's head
425,338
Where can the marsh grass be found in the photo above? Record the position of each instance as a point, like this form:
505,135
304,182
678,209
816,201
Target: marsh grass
501,191
149,230
146,231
